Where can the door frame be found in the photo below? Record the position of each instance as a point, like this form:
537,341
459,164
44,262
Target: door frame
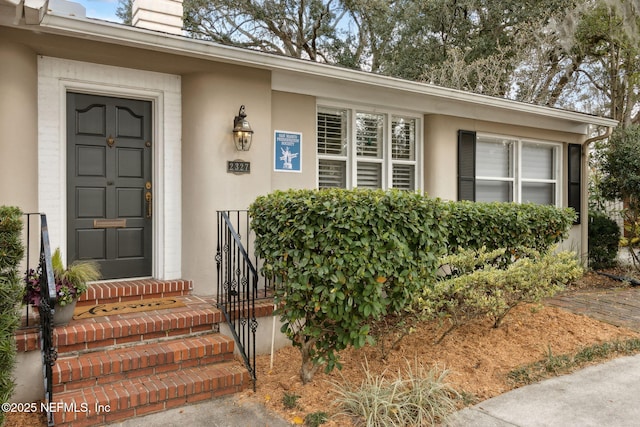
56,77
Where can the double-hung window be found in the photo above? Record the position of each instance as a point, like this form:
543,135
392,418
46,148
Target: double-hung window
359,148
509,169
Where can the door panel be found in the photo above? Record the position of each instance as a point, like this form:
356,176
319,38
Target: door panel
108,178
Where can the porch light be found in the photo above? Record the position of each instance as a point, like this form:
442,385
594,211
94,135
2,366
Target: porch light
242,132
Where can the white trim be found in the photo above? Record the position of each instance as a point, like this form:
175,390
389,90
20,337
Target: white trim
56,77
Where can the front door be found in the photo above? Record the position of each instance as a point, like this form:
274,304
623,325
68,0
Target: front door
109,188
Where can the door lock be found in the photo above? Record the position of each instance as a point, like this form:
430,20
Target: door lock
147,197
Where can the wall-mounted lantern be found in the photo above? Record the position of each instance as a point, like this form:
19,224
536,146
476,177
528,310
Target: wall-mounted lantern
242,132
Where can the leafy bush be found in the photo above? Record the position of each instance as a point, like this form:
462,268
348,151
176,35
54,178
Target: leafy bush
621,179
70,282
342,258
475,287
473,225
604,238
11,253
416,397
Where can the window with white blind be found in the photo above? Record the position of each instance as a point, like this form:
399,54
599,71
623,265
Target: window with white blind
366,149
509,169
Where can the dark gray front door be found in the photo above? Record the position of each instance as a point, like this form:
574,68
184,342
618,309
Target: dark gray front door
109,188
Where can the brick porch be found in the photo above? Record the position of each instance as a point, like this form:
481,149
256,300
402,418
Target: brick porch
139,363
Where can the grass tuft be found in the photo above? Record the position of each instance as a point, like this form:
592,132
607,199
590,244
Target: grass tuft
315,419
290,401
414,397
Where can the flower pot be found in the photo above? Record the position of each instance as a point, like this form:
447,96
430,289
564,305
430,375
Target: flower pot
63,314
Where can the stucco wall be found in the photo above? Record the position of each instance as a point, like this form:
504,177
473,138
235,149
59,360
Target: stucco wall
19,125
295,113
441,156
210,102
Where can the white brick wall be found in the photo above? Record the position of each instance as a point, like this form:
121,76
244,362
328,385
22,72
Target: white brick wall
56,77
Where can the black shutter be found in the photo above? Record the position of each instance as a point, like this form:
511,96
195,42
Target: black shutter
574,190
466,165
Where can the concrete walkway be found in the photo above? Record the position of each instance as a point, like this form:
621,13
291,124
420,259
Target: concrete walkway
604,395
222,412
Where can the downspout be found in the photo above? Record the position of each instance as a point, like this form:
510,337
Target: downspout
584,232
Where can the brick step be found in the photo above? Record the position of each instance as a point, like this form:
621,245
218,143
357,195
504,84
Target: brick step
140,396
133,290
198,315
102,367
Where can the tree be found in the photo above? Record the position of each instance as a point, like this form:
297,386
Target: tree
621,167
596,54
125,11
300,29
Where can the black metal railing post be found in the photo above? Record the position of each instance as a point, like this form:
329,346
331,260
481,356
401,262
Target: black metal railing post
239,284
46,309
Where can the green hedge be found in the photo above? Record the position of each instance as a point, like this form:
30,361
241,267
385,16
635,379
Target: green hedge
474,225
11,253
343,258
604,239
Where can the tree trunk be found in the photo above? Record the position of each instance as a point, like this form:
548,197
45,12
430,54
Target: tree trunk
308,368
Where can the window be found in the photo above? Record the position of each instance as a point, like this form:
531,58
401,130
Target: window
493,168
366,149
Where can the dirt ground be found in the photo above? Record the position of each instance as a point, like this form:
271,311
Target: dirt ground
477,357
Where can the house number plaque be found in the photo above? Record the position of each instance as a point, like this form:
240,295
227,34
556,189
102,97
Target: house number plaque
238,166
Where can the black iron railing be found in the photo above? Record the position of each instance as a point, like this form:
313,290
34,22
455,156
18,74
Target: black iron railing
239,283
46,309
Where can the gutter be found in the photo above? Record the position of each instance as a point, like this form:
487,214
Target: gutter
103,31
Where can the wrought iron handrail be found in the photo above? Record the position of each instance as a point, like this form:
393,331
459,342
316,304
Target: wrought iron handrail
46,309
237,289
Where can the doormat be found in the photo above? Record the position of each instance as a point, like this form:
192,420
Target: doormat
126,307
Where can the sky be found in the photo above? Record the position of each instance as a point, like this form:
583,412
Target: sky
101,9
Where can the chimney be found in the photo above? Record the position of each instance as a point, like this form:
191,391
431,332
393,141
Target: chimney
158,15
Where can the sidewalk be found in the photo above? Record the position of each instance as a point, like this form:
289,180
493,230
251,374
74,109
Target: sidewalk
604,395
222,412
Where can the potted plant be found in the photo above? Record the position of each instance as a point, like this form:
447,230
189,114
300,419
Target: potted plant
71,282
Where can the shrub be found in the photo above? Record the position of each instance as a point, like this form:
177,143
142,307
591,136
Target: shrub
416,397
604,238
11,253
342,258
477,288
474,225
316,419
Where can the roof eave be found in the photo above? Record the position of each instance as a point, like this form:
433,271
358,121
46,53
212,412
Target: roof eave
141,38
